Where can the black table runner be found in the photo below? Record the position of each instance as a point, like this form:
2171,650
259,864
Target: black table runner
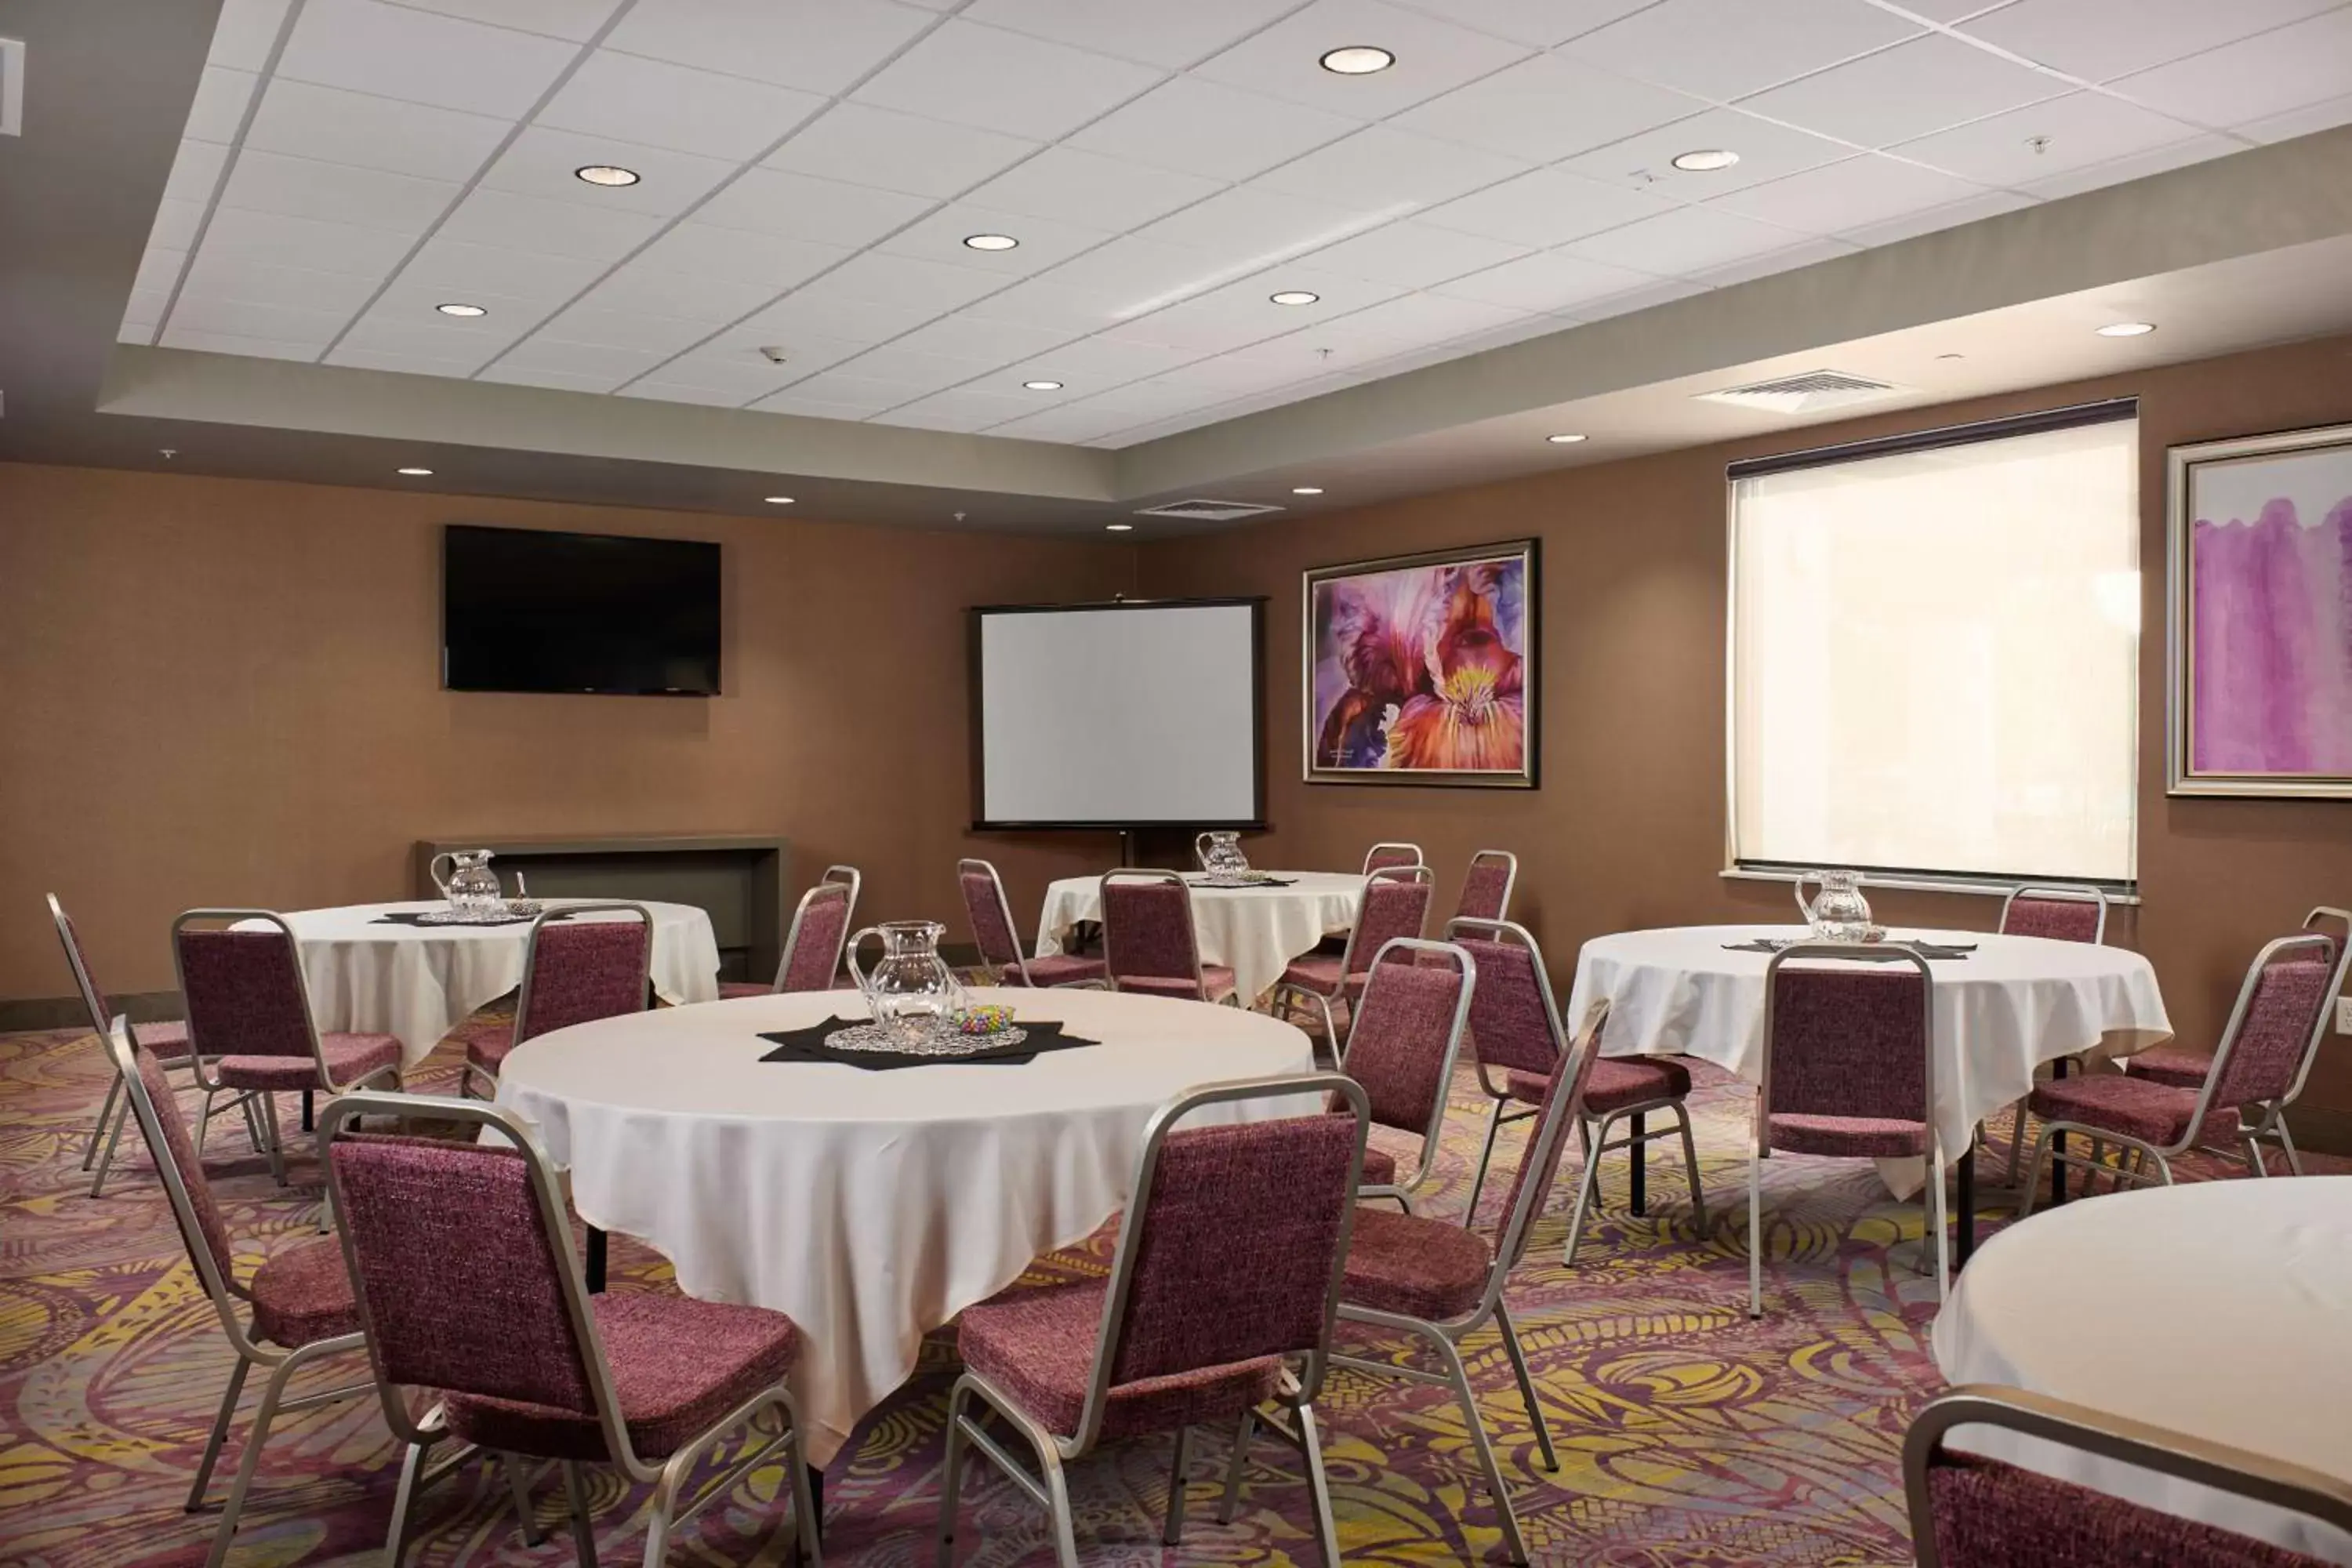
807,1045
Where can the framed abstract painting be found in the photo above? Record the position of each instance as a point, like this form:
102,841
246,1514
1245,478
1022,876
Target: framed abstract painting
2260,553
1421,670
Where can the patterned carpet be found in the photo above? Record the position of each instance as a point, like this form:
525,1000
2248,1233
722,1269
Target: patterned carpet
1689,1435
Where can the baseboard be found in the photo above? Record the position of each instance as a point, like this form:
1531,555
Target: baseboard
67,1012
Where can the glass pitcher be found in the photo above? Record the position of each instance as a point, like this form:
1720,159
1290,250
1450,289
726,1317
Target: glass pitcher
1220,854
911,991
1838,913
469,883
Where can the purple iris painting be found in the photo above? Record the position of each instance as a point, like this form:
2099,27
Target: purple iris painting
2269,619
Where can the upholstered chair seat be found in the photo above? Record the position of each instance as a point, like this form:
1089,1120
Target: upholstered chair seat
1062,969
348,1057
303,1295
1848,1137
2176,1065
1617,1082
1418,1267
2127,1103
1216,985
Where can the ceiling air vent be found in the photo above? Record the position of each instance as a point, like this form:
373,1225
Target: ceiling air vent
1198,511
1807,392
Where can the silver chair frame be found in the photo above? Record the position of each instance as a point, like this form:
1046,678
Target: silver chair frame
2078,892
1020,958
1373,853
1291,995
1302,1383
1759,1148
668,1478
1400,1193
1191,931
531,975
1592,1134
260,1104
1510,880
2274,1123
2254,1477
2134,1154
834,876
226,1294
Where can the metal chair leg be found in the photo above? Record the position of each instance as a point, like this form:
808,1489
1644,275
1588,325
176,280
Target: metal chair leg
519,1484
403,1505
105,1117
951,1476
1233,1468
277,1148
665,1508
1058,1502
1756,1231
1174,1532
2286,1143
1512,1348
1690,1166
584,1531
219,1435
1459,1376
809,1540
1940,1217
2255,1164
2016,1143
1588,1188
271,1394
1326,1531
1478,1183
113,1138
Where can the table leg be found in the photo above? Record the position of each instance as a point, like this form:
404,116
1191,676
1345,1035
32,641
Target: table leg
816,1496
308,1113
595,1269
1967,1241
1640,1172
2058,1146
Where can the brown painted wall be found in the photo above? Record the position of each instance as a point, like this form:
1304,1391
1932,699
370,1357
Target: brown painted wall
227,692
1628,828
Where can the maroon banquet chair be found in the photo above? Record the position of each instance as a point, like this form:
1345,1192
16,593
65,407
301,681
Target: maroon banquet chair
2058,911
1390,857
460,1260
166,1043
993,932
574,971
1393,905
1219,1303
2186,1068
1401,1048
2260,1060
1486,886
251,1023
1150,944
1970,1511
811,959
1518,1042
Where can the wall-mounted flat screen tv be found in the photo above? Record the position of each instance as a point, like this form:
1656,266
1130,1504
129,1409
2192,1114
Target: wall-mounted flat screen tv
528,610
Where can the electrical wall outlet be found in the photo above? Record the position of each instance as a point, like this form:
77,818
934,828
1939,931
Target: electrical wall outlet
2343,1015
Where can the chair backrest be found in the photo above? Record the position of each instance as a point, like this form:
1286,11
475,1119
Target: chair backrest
1971,1512
1539,1159
202,1227
242,989
1233,1247
984,905
1514,1024
1842,1040
1394,906
1408,1033
93,997
461,1260
2277,1017
1146,920
1390,857
576,969
2062,912
813,944
1486,886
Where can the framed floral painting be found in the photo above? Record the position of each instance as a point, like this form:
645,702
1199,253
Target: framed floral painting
1421,670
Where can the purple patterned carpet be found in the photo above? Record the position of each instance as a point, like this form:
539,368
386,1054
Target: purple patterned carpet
1689,1435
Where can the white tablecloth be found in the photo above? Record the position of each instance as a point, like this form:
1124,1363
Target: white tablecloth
870,1206
2218,1308
421,982
1254,931
2014,1004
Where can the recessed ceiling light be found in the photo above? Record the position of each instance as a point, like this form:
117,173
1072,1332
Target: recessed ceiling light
991,241
458,310
1294,297
1043,386
1358,59
778,500
1705,160
1307,490
607,175
2126,329
418,473
1564,440
1120,527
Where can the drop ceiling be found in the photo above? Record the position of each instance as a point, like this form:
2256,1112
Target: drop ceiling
809,169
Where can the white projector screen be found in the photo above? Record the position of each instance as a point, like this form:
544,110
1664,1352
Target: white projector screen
1117,715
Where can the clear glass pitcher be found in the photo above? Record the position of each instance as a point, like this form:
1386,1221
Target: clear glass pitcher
910,990
1220,854
469,883
1838,913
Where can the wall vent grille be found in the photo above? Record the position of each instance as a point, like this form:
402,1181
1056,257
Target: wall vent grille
1203,510
1804,392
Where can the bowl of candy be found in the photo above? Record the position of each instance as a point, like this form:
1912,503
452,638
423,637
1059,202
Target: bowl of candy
988,1018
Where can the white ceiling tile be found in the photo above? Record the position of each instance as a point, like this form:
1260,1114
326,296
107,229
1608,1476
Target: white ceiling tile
979,338
145,308
1548,108
511,222
335,193
176,223
1335,348
574,19
2102,39
277,240
1725,49
1432,57
930,287
658,104
195,170
2325,115
965,408
221,94
424,58
1663,292
542,353
1219,132
1251,227
459,271
1767,152
1004,81
1953,10
1093,363
1546,207
1087,188
1804,253
1382,170
554,378
1906,91
772,201
1541,22
142,332
634,329
1929,220
1069,422
1414,255
1170,36
1043,243
1120,280
868,146
2136,166
358,357
216,277
1201,329
407,303
673,391
159,269
2254,78
792,319
738,378
734,358
776,260
822,46
830,395
371,132
1241,312
640,289
278,323
234,343
247,31
786,402
919,372
1427,319
1836,197
541,162
1690,239
2078,131
1550,280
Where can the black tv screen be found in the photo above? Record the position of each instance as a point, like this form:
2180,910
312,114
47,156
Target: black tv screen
525,610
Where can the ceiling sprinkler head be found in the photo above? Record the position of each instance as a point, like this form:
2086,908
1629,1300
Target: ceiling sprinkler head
773,352
2040,145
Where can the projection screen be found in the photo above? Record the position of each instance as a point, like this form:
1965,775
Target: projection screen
1124,715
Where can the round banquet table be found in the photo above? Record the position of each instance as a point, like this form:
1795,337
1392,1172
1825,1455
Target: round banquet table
1254,931
2216,1309
367,977
871,1206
